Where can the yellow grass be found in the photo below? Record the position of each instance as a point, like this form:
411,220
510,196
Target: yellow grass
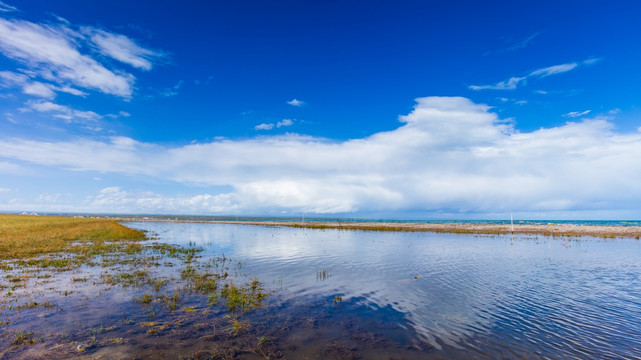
23,236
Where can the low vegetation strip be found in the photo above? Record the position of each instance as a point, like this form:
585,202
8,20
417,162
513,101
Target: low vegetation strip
551,229
23,236
462,228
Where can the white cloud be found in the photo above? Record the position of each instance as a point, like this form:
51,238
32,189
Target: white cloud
285,122
510,84
4,190
449,154
57,53
172,91
39,89
296,103
69,90
9,168
574,114
515,101
552,70
264,126
121,201
62,112
122,48
7,8
522,44
118,115
515,45
269,126
49,198
515,82
35,88
10,79
54,53
9,117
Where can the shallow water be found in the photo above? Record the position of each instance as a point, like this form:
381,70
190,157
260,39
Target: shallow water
353,294
453,295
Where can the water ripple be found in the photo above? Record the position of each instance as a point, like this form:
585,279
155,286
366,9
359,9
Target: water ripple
486,297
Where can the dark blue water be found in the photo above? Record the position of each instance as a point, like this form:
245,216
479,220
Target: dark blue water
427,295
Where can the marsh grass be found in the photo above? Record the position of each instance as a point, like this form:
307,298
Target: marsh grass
32,236
52,264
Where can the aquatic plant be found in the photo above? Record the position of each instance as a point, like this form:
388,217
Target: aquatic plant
23,338
243,298
145,299
237,326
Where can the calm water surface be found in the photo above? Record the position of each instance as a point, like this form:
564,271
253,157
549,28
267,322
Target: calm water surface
333,294
426,295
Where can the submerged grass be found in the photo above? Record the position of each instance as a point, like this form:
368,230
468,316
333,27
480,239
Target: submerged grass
69,259
24,236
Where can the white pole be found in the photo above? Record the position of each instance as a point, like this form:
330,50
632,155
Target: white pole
512,222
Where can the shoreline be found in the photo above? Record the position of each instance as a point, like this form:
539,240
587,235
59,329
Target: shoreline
603,231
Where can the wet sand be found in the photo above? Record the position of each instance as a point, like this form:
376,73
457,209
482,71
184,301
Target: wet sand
461,228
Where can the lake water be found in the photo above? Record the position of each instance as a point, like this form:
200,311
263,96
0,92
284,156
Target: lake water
427,295
332,294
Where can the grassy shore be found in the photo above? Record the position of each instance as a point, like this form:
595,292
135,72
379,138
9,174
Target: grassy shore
29,236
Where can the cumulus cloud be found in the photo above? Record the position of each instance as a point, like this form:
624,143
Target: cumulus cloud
296,103
448,154
515,82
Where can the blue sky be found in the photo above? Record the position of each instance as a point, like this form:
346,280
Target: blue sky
417,109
